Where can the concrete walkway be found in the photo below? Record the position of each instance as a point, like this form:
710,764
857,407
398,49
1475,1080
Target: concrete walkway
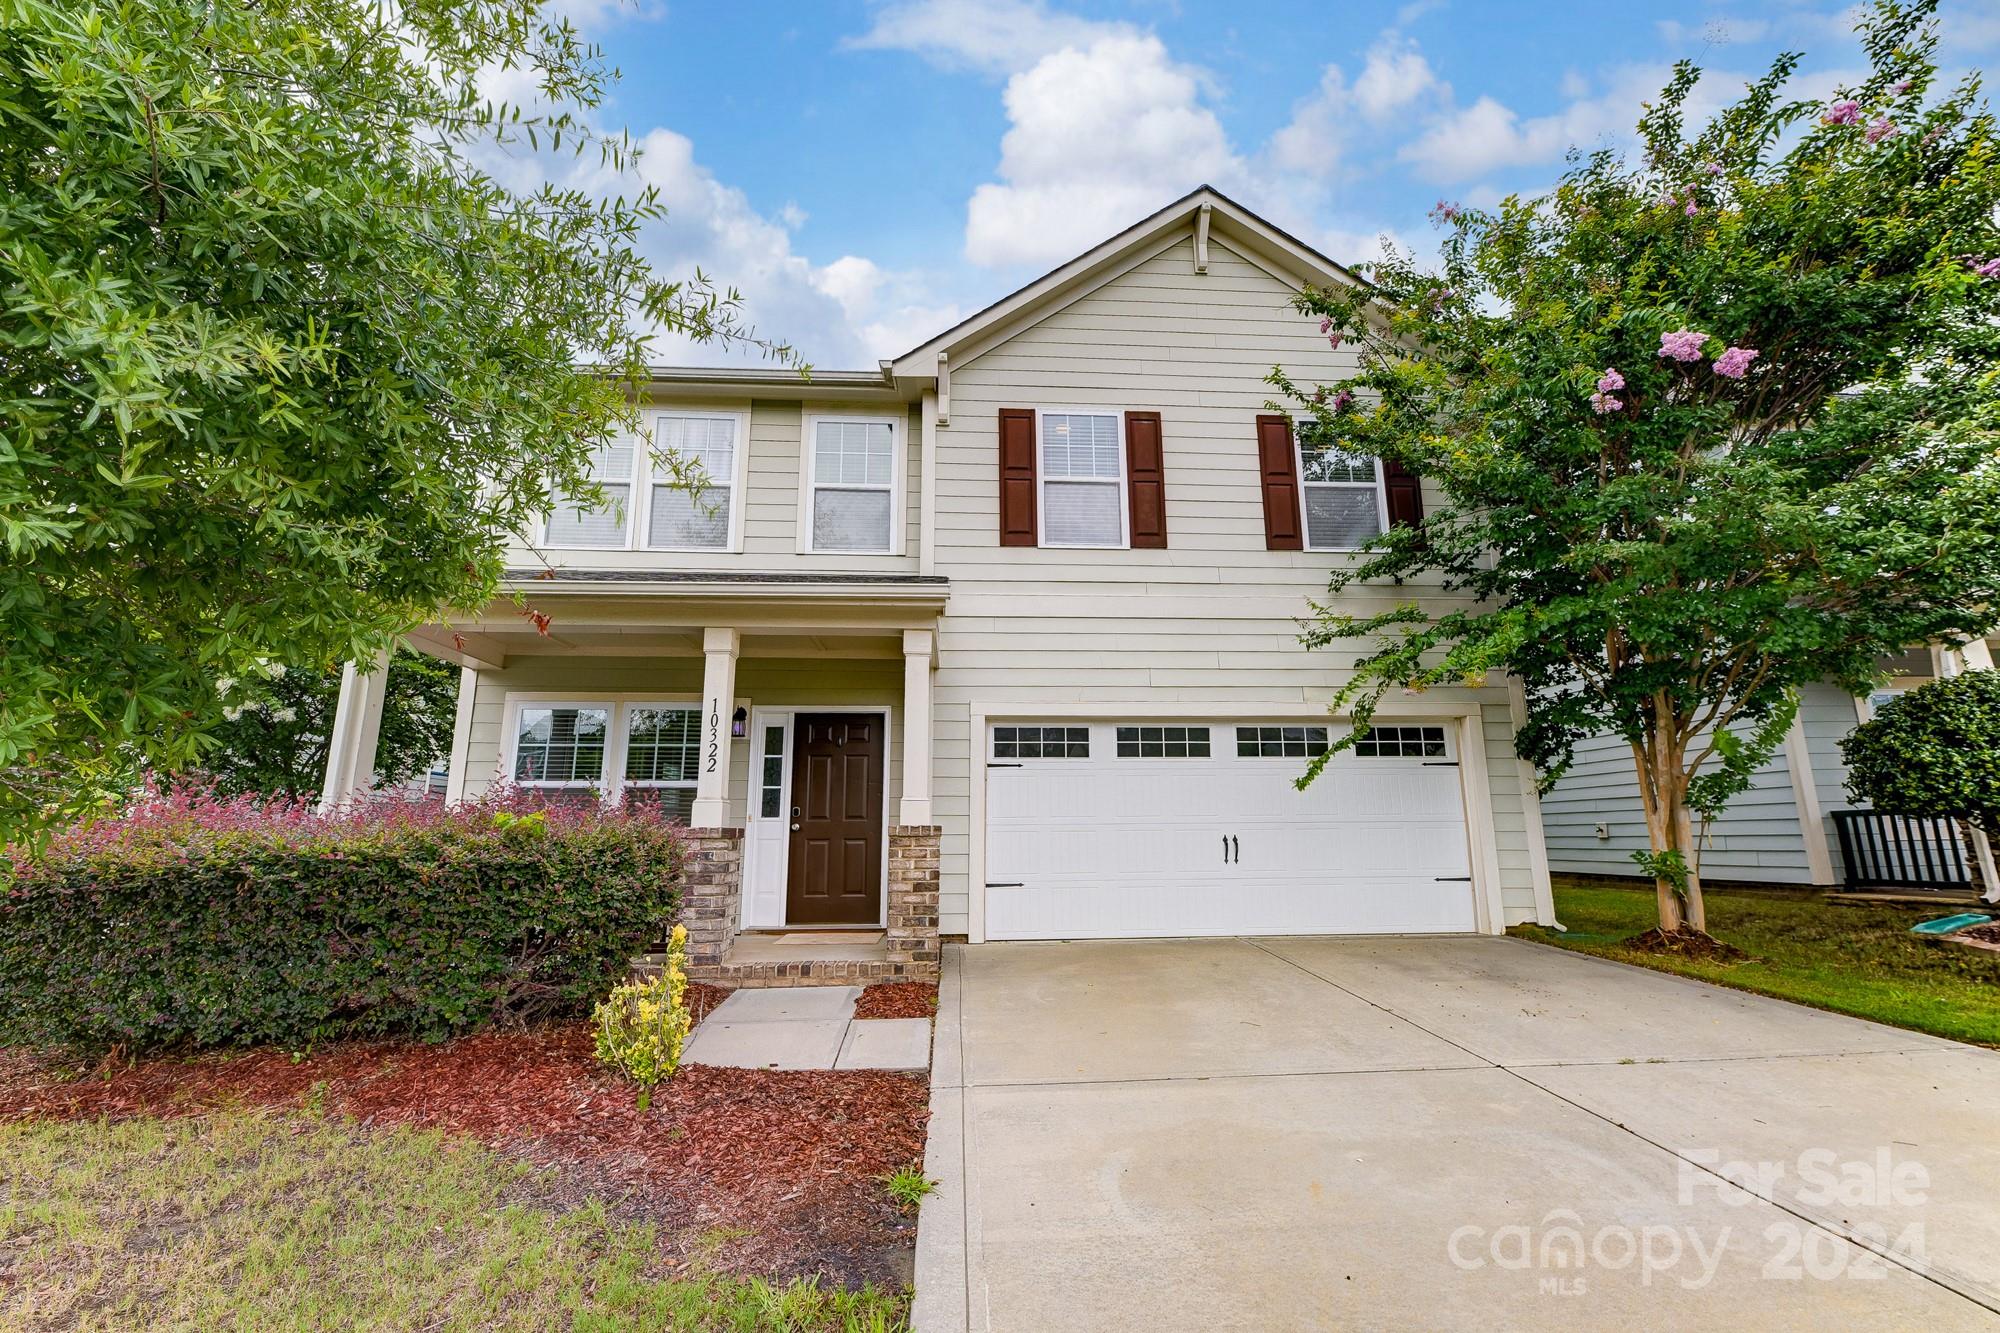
806,1027
1462,1132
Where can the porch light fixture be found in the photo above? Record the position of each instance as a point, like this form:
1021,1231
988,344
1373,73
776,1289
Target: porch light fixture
739,723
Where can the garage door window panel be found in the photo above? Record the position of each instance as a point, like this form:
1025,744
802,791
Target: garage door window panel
1401,742
1163,742
1280,742
1041,742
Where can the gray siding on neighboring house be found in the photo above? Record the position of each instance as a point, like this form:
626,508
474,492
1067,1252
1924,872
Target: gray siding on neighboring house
1210,619
1758,838
1827,713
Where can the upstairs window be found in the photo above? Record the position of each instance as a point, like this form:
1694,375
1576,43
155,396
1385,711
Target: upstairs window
1083,479
1342,493
579,523
852,506
681,519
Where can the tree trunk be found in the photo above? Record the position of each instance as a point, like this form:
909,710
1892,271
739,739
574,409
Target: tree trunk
1663,783
1659,833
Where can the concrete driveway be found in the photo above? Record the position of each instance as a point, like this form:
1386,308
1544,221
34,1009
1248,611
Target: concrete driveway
1394,1132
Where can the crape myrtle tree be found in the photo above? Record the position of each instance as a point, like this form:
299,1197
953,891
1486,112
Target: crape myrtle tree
280,364
1708,427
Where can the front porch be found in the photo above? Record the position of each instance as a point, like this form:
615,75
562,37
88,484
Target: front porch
787,724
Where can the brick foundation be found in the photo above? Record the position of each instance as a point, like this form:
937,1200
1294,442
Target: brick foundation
711,895
711,905
913,899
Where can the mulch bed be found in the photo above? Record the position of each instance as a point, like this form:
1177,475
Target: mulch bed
1684,944
701,998
787,1166
1986,934
897,999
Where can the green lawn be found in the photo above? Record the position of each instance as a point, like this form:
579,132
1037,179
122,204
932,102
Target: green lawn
255,1221
1858,960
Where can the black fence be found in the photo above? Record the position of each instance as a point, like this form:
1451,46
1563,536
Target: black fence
1901,851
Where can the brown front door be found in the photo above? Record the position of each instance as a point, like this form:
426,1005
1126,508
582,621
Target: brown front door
837,784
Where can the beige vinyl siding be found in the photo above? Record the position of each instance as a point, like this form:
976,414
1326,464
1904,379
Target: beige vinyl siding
760,683
1211,619
772,481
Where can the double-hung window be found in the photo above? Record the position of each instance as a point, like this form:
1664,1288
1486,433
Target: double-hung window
662,754
561,746
1082,479
1341,492
705,518
577,522
852,501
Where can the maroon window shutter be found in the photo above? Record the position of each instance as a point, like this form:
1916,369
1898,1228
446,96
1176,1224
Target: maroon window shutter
1146,480
1017,476
1279,473
1405,495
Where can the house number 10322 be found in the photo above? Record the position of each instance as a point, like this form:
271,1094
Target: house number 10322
714,734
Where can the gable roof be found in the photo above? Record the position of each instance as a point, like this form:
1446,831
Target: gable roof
1269,247
1287,257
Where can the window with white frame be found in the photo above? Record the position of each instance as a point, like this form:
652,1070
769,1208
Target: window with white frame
1280,742
1165,742
561,746
853,502
580,523
662,756
1341,491
1082,479
702,519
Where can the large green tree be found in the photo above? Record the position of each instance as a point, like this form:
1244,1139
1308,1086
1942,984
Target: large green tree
274,740
280,365
1709,426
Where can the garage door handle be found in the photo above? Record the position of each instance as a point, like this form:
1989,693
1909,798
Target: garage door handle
1452,879
1015,884
1238,858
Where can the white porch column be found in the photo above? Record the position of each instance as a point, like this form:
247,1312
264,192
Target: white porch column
357,726
719,648
1974,655
916,806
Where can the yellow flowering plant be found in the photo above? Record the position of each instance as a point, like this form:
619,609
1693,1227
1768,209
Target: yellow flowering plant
642,1025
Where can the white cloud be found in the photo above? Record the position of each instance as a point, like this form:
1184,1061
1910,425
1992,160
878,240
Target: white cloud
1471,141
991,36
1395,76
1100,137
1311,142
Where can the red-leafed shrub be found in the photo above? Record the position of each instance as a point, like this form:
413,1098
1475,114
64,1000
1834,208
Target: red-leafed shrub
195,921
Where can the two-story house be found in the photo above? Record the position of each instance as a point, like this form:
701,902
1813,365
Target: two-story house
1011,620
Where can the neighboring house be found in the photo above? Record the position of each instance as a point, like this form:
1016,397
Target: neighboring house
1781,830
1011,620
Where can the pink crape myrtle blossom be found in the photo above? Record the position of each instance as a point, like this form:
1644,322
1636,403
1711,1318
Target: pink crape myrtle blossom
1734,364
1445,211
1712,168
1846,111
1988,269
1692,208
1602,403
1898,88
1882,129
1682,345
1610,381
1342,401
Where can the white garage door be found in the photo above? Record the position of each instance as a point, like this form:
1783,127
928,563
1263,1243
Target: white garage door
1104,829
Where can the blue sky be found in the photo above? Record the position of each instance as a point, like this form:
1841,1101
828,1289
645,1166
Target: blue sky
868,172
